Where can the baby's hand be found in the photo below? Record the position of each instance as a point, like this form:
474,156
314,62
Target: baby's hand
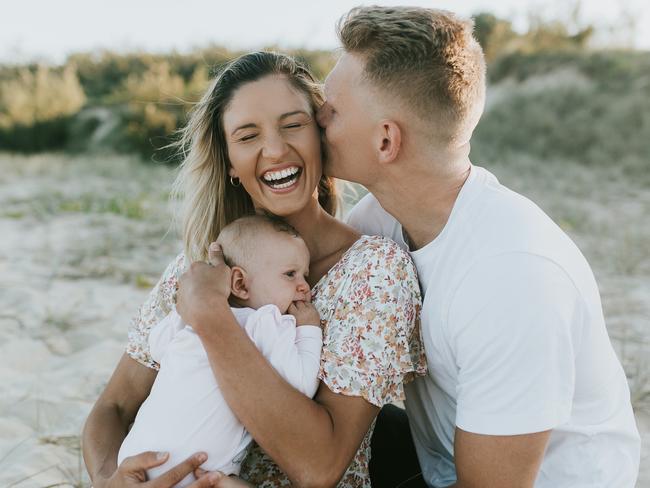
305,313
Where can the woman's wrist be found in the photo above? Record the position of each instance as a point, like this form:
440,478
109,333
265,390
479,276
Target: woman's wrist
213,315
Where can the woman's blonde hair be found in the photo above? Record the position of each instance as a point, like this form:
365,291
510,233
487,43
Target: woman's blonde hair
209,200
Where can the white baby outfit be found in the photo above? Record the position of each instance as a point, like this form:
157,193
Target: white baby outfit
186,412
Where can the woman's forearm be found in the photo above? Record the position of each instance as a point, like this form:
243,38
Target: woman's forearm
307,439
102,437
108,422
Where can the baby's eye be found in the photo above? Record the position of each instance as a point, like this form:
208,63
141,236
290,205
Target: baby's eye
290,274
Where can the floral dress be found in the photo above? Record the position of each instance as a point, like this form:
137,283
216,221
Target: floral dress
369,303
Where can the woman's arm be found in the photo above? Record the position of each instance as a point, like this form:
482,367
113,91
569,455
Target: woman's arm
312,441
107,426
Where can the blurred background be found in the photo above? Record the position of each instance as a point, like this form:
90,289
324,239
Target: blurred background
91,93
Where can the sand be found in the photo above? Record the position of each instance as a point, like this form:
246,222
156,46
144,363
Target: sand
83,239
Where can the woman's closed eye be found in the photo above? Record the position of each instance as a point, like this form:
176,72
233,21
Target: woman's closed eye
247,137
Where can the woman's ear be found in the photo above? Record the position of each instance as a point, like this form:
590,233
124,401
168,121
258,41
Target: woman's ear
238,286
232,173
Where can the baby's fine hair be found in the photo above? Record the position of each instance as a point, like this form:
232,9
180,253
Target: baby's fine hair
239,238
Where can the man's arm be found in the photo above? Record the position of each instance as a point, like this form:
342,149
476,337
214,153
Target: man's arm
487,461
513,329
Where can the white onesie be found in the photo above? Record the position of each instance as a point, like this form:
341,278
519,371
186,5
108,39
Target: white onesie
186,412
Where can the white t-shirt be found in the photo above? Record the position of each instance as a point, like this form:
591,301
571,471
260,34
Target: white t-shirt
186,412
515,341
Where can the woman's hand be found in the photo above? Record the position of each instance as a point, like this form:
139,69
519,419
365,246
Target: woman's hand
202,287
133,473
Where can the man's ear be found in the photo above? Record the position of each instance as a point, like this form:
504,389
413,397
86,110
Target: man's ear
390,141
238,286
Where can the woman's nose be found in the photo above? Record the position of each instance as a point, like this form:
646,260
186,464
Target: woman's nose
275,147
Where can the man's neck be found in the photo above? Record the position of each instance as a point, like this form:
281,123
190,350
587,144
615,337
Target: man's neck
422,196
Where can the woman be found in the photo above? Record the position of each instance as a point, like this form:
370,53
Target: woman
253,144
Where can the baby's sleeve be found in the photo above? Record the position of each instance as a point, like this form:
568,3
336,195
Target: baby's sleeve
294,352
157,305
163,333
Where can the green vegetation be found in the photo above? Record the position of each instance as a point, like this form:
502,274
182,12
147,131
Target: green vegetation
587,107
128,103
550,96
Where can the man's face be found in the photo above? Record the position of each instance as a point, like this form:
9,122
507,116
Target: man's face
347,119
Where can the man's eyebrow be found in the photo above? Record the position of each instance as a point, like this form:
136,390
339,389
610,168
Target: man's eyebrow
282,117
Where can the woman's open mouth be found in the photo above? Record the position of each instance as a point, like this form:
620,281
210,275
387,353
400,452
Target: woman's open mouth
281,179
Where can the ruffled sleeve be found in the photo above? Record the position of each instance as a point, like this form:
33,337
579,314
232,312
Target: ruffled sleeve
157,305
372,342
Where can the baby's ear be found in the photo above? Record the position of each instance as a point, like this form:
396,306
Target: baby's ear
238,285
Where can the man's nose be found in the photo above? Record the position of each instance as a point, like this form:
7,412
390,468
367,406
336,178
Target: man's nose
275,147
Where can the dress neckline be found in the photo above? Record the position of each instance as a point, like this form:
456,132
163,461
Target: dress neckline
344,257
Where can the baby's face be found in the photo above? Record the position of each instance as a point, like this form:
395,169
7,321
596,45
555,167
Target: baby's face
278,274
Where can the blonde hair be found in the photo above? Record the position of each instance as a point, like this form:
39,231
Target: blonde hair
209,201
426,58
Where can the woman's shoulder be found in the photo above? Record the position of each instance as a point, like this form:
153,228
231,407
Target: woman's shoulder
378,255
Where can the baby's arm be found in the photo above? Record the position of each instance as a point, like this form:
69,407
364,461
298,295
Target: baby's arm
293,351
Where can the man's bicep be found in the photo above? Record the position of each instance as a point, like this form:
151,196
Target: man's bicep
487,461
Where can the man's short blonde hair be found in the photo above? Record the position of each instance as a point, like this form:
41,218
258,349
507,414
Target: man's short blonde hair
241,238
428,59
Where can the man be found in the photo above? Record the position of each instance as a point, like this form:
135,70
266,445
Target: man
524,388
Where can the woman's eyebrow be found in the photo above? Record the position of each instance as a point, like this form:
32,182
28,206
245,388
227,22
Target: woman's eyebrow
295,112
245,126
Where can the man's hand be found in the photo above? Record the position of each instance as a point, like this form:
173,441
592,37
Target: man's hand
201,287
133,472
222,481
305,313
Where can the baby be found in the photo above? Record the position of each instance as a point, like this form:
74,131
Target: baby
185,411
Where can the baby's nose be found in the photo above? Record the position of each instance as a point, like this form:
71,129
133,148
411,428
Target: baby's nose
303,287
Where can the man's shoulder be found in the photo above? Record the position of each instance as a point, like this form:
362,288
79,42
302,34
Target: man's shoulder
367,205
369,217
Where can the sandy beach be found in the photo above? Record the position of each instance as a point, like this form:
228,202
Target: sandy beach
83,239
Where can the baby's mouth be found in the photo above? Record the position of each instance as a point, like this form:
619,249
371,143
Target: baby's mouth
283,178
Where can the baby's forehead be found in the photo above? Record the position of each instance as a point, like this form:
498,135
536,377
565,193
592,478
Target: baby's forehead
266,245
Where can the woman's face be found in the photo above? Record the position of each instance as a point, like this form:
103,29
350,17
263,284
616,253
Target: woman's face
273,144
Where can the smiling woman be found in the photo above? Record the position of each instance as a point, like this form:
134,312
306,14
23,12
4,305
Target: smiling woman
253,145
259,102
273,151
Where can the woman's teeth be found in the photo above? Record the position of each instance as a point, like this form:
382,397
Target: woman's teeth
283,178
